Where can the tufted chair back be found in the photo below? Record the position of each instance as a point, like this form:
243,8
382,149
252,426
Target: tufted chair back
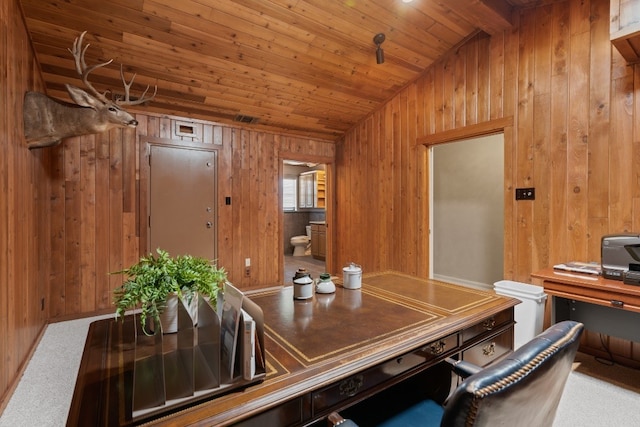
522,389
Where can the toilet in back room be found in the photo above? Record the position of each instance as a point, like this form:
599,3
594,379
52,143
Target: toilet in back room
302,244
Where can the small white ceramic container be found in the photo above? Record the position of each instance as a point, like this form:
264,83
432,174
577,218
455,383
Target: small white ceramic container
352,276
303,288
325,285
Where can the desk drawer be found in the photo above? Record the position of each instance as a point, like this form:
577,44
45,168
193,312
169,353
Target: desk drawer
487,325
490,349
287,414
359,383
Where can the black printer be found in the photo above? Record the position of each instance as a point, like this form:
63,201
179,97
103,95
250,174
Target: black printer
620,257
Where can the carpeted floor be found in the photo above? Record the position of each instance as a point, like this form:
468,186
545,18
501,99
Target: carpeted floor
595,395
44,393
599,394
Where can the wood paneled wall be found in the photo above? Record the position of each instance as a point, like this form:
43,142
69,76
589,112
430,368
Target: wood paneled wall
575,107
99,205
24,199
71,214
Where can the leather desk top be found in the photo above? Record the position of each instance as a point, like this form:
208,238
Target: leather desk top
332,325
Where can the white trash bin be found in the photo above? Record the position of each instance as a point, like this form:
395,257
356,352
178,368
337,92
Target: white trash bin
529,314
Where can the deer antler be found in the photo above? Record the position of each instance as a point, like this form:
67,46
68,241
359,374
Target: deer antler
82,69
81,66
127,86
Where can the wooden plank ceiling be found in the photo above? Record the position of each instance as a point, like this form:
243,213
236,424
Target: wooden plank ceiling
304,67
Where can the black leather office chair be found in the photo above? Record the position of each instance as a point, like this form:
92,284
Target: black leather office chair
523,389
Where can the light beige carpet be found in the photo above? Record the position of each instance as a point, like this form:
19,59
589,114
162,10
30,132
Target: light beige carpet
614,374
599,395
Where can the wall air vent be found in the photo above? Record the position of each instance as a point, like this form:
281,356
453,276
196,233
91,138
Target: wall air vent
245,119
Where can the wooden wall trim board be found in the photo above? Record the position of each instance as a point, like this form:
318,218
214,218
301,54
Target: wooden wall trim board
71,212
470,131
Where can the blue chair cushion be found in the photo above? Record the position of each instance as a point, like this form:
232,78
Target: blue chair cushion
424,413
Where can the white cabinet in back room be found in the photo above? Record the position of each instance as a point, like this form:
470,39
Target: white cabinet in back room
311,189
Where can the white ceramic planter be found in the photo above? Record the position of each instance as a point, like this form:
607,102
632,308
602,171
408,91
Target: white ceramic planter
169,316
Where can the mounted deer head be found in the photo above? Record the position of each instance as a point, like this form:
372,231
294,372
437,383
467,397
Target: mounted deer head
47,121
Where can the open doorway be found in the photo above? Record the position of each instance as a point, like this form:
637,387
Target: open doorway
304,202
467,211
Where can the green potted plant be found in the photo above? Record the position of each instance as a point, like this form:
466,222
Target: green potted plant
156,279
197,276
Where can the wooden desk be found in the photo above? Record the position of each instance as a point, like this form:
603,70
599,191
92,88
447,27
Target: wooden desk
323,354
603,305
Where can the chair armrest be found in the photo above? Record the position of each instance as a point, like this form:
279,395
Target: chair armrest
462,368
335,419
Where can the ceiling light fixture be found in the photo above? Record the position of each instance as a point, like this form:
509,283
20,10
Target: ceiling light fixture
378,39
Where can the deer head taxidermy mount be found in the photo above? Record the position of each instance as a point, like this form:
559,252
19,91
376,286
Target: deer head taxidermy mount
47,121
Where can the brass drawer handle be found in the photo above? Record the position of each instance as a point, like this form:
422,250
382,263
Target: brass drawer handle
489,324
489,350
350,386
437,347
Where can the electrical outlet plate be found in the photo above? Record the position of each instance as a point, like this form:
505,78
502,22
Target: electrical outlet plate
525,193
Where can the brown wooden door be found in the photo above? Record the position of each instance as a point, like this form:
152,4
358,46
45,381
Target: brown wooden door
182,208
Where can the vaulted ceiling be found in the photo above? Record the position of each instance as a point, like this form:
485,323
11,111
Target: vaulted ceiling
305,67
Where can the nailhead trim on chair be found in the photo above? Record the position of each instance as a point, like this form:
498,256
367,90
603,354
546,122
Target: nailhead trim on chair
516,376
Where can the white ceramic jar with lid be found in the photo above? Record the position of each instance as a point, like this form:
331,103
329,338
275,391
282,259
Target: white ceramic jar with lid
352,276
303,287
